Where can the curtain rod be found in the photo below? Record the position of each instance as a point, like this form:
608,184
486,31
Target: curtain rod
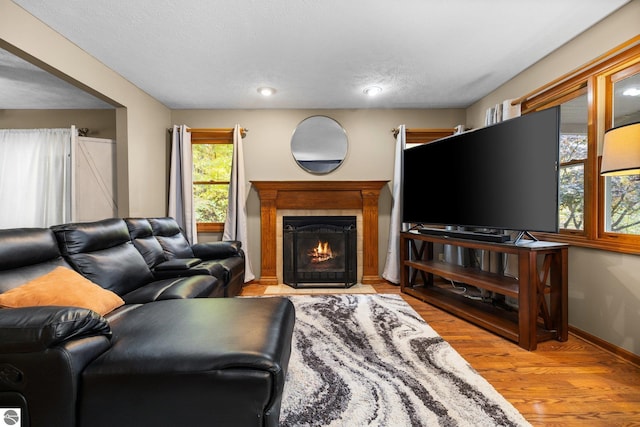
434,131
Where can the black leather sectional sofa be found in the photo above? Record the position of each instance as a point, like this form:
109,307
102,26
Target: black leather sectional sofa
174,352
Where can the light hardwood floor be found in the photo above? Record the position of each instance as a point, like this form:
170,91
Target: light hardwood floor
571,383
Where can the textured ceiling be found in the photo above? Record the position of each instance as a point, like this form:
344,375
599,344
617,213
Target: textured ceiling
316,54
25,86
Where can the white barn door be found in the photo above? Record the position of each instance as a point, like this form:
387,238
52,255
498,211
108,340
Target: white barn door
94,179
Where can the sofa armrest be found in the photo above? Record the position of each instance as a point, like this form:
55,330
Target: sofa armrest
218,250
31,329
178,264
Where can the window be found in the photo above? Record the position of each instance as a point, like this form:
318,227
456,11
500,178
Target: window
212,151
622,193
573,155
595,211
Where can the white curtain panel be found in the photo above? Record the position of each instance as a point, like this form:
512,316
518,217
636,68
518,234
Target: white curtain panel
35,188
235,225
181,184
392,267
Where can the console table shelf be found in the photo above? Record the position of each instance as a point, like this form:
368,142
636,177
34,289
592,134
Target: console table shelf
541,290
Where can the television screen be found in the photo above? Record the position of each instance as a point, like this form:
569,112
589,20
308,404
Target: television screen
502,177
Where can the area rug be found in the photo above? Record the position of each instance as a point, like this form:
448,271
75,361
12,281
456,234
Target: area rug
358,288
371,360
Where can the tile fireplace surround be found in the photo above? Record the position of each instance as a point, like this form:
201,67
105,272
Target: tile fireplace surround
318,195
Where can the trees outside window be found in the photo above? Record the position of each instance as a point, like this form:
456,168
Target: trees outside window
574,144
211,173
212,153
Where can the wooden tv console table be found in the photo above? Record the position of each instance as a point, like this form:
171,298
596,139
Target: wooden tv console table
540,289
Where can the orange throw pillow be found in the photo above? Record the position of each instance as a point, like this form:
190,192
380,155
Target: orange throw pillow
63,287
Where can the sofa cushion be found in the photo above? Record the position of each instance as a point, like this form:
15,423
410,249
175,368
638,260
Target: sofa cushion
144,241
27,253
62,287
208,268
102,251
27,246
173,242
224,359
199,334
177,288
91,236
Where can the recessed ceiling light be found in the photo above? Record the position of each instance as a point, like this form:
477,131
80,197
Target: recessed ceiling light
266,91
372,90
632,91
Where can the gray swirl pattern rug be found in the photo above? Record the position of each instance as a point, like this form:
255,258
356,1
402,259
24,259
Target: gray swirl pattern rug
371,360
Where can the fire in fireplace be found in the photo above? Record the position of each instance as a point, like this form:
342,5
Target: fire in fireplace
319,251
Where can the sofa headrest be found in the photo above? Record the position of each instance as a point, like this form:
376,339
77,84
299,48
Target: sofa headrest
138,227
20,247
144,241
91,236
170,236
102,251
165,227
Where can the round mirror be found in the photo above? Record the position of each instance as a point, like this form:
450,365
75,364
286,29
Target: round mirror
319,144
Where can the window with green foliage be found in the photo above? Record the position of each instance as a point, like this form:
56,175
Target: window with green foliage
212,152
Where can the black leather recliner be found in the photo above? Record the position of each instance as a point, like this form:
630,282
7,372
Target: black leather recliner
168,253
43,350
173,360
228,254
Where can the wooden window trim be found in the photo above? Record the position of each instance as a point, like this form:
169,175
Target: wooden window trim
610,78
560,96
210,227
622,52
214,134
615,64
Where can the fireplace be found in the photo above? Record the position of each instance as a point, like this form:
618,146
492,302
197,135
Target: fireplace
345,197
319,251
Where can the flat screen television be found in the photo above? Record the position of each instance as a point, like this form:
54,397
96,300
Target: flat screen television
500,177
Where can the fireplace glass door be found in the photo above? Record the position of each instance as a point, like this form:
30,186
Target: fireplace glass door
319,251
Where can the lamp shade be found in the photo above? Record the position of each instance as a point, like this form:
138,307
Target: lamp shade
621,150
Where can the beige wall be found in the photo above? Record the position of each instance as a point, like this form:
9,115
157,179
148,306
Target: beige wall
141,121
268,156
604,287
101,123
